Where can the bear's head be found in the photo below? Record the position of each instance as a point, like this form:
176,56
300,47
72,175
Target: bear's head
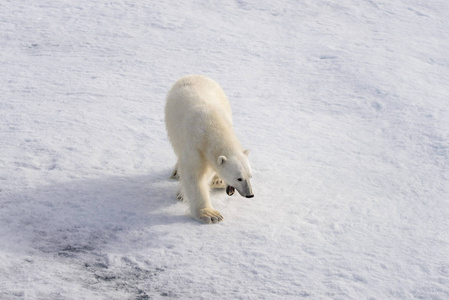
236,173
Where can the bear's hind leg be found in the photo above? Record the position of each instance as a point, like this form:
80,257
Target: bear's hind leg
175,173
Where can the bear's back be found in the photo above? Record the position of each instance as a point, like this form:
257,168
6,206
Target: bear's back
193,104
197,91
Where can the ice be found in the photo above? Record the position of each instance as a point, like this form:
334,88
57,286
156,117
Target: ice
343,105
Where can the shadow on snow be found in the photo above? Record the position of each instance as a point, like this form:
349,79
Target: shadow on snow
85,215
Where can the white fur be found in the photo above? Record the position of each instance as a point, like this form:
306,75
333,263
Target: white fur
199,125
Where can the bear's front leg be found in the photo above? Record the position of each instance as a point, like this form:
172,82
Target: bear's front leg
195,187
197,194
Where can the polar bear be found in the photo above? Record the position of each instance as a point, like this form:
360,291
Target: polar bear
198,120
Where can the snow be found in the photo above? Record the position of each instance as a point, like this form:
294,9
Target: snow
343,105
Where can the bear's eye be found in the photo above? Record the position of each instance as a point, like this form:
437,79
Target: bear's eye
239,179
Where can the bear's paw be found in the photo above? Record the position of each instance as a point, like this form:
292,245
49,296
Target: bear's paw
217,183
179,196
209,216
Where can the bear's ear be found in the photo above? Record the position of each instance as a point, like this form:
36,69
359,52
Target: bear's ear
221,160
246,152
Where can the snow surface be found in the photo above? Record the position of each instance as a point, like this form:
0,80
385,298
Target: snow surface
344,105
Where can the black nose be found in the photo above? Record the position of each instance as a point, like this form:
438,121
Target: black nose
249,196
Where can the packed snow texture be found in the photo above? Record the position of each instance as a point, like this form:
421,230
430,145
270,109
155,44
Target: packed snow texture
343,104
